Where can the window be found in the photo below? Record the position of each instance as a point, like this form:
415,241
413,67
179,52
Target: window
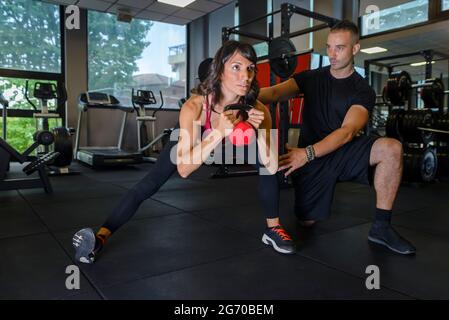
20,124
445,5
261,49
13,90
315,61
389,18
19,132
141,55
30,40
30,36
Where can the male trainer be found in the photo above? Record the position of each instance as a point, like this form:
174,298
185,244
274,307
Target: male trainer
337,103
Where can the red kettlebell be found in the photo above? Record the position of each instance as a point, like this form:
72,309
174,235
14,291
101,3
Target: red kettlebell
242,135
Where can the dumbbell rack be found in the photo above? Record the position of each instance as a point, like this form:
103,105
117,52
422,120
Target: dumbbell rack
425,137
415,128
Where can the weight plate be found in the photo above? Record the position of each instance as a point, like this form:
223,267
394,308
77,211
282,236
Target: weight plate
62,145
282,58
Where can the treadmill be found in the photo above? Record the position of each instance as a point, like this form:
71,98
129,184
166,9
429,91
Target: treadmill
103,156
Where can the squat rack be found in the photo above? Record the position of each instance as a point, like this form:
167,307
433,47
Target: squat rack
429,56
287,10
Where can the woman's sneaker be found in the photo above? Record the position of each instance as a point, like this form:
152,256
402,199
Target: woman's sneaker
278,238
84,243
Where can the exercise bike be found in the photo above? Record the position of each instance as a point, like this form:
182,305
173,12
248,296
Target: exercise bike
144,98
62,144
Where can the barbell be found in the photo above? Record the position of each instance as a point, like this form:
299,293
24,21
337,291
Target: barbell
399,85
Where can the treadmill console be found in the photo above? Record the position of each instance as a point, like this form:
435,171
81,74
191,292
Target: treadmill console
98,98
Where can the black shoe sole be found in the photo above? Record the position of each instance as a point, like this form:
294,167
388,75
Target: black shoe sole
381,242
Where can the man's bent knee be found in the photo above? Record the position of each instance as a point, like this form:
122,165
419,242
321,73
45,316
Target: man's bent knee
386,149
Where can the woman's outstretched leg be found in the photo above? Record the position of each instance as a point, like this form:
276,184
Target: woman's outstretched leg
87,244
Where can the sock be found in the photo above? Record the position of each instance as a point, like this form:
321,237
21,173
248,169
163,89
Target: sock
382,218
100,238
103,234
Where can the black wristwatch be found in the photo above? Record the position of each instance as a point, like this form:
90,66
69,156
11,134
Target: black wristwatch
310,152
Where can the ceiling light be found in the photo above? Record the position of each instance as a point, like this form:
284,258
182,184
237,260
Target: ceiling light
178,3
374,50
417,64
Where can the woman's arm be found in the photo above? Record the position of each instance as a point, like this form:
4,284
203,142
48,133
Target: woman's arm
192,152
268,147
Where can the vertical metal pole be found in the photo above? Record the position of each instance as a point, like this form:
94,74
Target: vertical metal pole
368,78
139,144
368,72
428,55
284,119
273,106
78,133
224,34
4,116
446,96
122,130
187,86
286,14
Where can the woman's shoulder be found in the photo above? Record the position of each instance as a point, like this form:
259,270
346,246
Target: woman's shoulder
193,105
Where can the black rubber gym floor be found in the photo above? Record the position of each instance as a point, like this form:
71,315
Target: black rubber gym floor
200,238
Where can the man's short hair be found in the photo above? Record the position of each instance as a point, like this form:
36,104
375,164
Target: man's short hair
346,25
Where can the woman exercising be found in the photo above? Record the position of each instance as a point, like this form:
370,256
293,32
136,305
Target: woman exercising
204,122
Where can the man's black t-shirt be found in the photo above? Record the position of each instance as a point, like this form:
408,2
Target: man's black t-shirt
327,100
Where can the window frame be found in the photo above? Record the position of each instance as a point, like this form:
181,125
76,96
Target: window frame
441,13
45,76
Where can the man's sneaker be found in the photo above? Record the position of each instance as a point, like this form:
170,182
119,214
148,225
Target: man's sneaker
279,239
84,243
389,237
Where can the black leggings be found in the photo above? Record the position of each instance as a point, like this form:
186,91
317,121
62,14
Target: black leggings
161,171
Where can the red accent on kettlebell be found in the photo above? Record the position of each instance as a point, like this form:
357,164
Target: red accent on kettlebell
243,134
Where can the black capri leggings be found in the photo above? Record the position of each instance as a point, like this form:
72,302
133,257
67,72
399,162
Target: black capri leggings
161,171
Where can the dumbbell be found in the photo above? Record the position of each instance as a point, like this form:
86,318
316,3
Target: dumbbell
243,133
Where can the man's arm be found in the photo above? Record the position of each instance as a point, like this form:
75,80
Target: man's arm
279,92
355,120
